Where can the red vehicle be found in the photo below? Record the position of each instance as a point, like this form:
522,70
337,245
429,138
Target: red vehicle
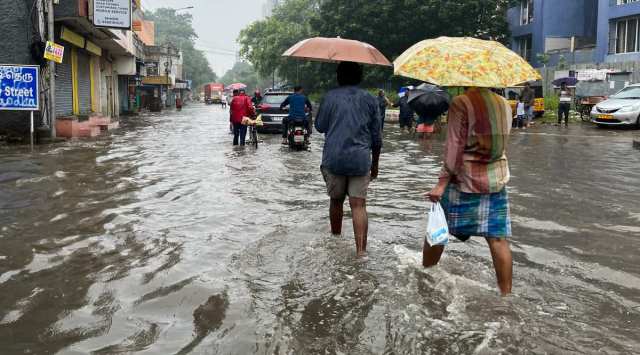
213,93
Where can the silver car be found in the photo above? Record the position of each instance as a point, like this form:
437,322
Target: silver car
621,109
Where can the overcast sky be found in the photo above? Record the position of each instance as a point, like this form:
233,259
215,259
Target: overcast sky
217,23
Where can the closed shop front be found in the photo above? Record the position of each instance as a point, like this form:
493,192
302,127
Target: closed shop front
64,85
84,82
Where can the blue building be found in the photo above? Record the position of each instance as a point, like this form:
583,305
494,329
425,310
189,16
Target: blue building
580,31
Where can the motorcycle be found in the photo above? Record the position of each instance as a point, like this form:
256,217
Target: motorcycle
297,135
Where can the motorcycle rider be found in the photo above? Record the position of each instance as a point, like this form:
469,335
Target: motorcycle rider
298,104
257,98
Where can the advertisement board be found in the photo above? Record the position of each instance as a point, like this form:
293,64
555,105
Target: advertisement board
54,52
112,13
19,87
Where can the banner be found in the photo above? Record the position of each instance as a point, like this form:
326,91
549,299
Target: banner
54,52
19,88
112,13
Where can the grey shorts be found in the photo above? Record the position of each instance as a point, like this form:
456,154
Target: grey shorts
339,186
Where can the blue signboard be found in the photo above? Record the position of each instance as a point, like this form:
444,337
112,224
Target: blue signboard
19,88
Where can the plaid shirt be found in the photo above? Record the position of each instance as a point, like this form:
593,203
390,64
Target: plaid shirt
478,130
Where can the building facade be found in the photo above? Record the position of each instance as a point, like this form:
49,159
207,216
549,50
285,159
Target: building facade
555,28
576,31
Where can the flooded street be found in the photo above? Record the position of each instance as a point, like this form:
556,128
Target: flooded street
164,239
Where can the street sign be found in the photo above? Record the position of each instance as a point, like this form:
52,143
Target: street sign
54,52
112,13
19,87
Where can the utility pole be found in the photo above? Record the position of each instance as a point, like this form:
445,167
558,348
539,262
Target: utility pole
52,71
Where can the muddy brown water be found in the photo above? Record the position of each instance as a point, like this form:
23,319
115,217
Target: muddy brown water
163,239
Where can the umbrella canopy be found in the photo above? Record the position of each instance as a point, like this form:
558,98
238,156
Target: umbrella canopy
429,101
236,86
448,61
568,81
337,50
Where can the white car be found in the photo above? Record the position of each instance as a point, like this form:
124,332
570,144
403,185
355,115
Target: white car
621,109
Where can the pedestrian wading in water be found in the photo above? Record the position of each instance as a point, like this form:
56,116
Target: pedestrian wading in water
350,119
472,187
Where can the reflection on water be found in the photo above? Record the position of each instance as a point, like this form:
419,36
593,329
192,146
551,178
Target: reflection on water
164,239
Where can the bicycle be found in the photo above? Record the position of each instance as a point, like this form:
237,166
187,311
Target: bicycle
253,135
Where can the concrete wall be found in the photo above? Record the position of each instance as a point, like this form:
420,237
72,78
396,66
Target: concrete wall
15,49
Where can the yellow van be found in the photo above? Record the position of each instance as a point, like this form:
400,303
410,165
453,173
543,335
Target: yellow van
513,93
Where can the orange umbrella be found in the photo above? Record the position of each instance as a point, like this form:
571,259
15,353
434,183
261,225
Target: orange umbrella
337,50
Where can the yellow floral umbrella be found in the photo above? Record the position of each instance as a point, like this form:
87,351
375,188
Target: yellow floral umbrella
449,61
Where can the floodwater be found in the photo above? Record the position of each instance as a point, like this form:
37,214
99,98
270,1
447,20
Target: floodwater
164,239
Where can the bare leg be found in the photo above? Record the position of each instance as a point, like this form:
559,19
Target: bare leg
336,212
360,223
431,254
502,262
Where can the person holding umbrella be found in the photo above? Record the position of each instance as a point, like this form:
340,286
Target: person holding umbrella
406,112
350,120
472,186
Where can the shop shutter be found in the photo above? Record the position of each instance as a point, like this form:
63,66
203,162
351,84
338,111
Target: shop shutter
84,82
64,85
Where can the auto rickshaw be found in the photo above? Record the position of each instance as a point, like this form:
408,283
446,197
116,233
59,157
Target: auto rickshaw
513,93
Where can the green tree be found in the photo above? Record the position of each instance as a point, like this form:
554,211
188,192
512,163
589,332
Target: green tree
243,72
390,25
177,29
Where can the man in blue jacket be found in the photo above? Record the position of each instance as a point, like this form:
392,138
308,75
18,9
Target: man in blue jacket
350,119
298,105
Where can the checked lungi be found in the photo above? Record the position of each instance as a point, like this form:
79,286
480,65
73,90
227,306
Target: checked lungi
477,215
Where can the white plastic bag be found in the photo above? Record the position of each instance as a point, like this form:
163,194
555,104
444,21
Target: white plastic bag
437,227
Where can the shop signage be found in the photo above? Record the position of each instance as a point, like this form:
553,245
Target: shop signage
72,37
112,13
19,89
54,52
93,48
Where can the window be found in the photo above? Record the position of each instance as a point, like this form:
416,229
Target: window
526,12
525,46
626,35
624,2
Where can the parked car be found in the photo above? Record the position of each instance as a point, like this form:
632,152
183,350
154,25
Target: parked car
272,115
621,109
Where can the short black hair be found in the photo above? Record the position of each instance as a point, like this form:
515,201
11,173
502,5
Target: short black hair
297,88
236,92
349,73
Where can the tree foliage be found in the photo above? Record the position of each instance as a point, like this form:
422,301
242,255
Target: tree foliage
243,72
392,26
177,29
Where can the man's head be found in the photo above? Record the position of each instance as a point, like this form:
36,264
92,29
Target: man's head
381,93
298,89
257,92
563,86
349,73
236,92
242,92
527,85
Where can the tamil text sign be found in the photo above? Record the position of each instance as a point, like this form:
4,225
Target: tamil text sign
19,89
112,13
54,52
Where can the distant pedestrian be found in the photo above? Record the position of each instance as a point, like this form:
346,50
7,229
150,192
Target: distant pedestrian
564,105
241,107
407,114
472,185
521,115
349,118
223,101
383,103
529,98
